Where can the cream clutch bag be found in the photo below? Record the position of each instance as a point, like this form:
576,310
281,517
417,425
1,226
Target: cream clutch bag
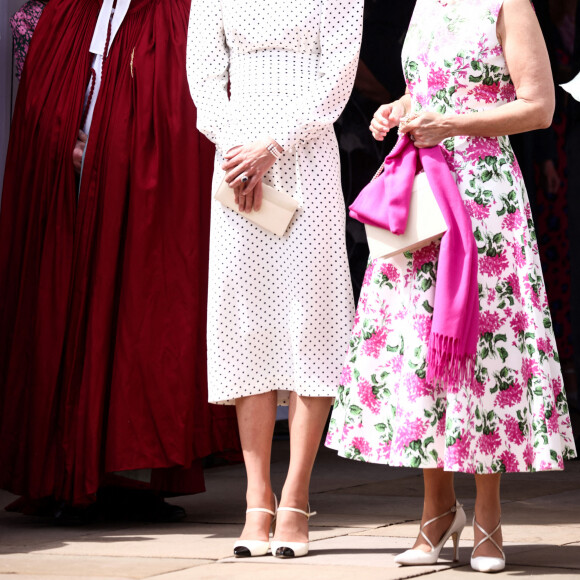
424,224
278,208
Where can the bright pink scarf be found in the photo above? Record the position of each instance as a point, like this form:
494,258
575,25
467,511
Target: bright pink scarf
385,203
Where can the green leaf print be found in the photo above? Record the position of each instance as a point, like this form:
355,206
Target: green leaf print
486,175
381,427
426,284
427,307
354,410
449,144
547,323
415,445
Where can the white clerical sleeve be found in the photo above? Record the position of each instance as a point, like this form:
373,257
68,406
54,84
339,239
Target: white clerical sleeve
207,71
340,38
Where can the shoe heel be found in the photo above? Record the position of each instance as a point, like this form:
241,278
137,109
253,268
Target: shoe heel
456,537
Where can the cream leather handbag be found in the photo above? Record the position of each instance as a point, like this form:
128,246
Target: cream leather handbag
275,214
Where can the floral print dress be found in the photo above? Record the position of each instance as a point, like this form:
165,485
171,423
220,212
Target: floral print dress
515,416
23,24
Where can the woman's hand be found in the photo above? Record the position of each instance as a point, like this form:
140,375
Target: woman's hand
386,117
251,161
428,129
78,151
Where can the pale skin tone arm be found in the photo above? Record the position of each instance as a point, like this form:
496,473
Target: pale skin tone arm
529,65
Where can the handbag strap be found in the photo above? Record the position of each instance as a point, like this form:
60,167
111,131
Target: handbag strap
379,171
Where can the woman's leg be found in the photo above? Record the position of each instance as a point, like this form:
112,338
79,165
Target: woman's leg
256,419
488,513
439,497
306,420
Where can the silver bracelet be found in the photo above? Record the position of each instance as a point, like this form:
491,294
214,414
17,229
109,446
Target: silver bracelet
274,150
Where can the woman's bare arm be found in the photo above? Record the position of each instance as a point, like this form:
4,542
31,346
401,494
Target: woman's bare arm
529,65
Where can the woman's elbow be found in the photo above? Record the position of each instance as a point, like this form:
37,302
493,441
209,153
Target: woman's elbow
546,117
542,114
546,108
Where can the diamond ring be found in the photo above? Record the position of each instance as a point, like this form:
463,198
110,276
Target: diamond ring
245,179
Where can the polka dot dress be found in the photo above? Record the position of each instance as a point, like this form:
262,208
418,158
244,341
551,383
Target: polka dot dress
280,309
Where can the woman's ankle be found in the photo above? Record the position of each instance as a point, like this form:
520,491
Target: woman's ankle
260,497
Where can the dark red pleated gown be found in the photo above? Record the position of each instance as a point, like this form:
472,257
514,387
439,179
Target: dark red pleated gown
103,288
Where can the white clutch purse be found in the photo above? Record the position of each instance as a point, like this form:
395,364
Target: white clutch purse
275,214
424,225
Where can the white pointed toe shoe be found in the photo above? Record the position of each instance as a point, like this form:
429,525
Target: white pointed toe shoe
292,549
252,548
487,563
416,557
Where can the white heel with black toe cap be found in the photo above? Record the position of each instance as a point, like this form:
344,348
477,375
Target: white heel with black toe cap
253,548
291,549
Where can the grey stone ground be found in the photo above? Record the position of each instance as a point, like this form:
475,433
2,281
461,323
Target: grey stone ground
367,514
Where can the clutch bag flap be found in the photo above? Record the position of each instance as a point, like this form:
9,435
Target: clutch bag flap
275,214
424,225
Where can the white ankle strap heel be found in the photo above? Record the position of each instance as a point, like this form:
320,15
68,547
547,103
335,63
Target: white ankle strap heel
292,549
487,563
416,557
252,548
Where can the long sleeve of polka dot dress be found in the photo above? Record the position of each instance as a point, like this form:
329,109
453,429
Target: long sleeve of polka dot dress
280,309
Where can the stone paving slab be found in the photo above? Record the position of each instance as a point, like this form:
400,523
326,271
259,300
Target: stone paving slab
67,566
512,572
58,575
285,571
567,556
199,541
189,541
553,519
513,534
359,551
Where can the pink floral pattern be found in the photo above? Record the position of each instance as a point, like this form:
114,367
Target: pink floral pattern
515,416
23,24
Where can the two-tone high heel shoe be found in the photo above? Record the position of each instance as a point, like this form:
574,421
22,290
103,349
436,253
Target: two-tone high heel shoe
283,549
487,563
417,557
252,548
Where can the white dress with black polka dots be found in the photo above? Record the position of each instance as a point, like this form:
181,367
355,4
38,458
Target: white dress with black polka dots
280,309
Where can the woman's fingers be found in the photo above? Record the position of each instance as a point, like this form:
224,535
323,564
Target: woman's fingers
384,111
233,162
232,152
235,175
396,113
378,129
248,201
240,199
258,195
